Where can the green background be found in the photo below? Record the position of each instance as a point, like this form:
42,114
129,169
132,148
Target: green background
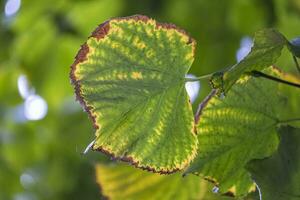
41,41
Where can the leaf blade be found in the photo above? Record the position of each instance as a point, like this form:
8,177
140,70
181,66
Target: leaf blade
124,182
234,130
129,77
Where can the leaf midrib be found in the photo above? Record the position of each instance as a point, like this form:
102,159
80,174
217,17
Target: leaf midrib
132,108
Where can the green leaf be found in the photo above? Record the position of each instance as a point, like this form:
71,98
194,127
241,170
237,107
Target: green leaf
129,77
124,182
234,130
267,47
278,176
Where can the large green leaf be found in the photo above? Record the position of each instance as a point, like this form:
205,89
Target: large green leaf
129,77
124,182
278,176
235,130
267,47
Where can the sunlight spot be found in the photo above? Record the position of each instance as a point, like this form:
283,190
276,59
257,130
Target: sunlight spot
245,47
24,196
35,107
192,88
27,180
23,87
12,7
215,189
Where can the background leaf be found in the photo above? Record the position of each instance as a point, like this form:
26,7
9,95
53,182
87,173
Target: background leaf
125,182
129,76
235,130
278,176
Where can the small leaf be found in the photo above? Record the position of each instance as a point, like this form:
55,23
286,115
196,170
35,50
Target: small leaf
278,176
267,47
126,183
129,77
234,130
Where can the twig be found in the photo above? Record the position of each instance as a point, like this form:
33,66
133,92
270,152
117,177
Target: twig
273,78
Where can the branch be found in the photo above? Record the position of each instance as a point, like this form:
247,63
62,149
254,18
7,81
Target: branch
273,78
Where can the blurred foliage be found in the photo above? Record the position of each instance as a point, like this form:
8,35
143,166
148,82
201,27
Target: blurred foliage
128,183
41,41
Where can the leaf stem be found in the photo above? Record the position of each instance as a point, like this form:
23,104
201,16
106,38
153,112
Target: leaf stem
273,78
297,64
207,76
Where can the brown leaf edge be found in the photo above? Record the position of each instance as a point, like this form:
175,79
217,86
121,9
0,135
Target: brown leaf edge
198,114
100,32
